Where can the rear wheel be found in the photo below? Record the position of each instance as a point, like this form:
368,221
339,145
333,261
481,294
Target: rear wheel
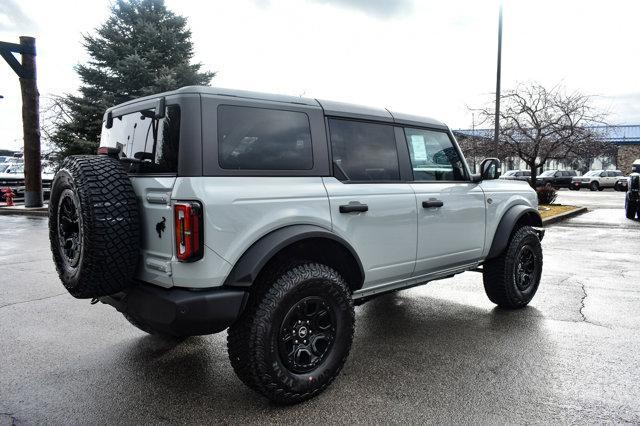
511,280
295,334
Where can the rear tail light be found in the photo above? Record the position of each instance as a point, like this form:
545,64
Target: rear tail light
188,219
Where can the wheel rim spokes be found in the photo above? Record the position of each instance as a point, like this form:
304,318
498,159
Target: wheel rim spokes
69,229
307,334
525,268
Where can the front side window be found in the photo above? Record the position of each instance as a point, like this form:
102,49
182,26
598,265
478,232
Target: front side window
433,156
364,151
151,141
263,139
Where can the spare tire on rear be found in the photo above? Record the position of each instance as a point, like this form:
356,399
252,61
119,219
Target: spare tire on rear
94,226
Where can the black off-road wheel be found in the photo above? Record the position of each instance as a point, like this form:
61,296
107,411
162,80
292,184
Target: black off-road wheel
93,226
295,334
631,208
511,280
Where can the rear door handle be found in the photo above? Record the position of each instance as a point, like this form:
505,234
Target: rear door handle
353,207
432,204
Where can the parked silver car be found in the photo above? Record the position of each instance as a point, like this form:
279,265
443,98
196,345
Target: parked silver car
598,180
524,175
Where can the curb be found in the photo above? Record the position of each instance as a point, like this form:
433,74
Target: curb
22,211
564,216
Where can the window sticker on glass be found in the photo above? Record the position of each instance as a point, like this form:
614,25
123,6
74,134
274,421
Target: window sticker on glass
419,149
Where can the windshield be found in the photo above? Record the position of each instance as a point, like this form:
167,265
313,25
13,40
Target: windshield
592,173
547,173
14,169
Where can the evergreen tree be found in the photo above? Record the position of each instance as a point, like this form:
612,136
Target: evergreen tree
143,48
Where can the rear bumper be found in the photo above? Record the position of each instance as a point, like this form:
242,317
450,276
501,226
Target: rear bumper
179,311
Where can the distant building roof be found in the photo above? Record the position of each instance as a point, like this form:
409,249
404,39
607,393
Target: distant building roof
624,134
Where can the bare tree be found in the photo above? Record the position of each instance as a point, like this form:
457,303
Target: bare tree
477,147
539,124
53,113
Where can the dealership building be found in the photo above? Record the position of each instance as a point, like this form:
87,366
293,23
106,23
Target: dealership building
625,137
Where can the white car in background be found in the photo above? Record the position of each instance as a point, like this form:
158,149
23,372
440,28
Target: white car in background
12,176
598,180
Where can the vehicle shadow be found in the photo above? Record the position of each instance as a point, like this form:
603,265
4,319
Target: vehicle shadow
426,354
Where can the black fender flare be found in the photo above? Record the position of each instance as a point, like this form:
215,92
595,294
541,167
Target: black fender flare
249,265
508,222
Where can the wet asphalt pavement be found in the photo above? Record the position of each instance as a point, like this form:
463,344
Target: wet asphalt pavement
438,353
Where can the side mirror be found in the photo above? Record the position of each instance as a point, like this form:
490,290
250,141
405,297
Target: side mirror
490,169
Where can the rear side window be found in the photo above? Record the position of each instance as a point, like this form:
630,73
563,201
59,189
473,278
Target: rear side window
263,139
363,151
154,142
433,156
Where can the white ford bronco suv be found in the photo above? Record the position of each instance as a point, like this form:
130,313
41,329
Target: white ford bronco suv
209,209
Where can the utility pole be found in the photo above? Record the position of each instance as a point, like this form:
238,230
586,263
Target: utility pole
496,129
26,71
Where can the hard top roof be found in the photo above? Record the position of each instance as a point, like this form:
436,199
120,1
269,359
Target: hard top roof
331,108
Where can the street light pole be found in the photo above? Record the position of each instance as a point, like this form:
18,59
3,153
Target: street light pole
496,129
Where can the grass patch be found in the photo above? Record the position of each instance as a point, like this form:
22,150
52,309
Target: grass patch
549,210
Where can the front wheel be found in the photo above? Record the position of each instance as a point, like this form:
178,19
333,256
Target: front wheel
594,186
293,338
511,279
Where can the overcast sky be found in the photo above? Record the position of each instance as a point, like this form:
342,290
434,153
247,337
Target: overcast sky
430,58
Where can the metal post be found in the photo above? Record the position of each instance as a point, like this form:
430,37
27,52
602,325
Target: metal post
31,126
496,130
